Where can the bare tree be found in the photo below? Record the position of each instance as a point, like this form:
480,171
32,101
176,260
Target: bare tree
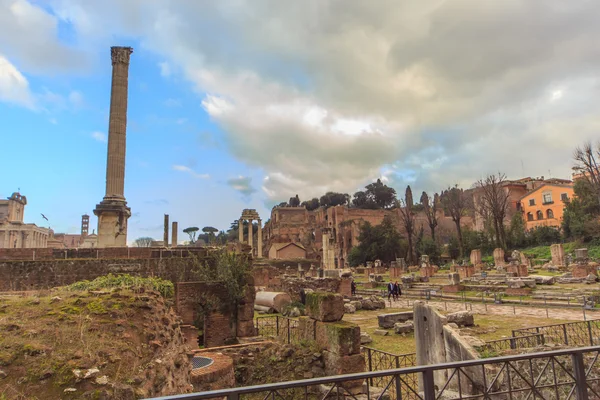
457,203
494,203
430,208
143,242
408,220
587,163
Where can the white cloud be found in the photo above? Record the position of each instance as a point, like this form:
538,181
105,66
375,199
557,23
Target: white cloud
320,95
188,170
76,99
99,136
242,184
14,87
165,69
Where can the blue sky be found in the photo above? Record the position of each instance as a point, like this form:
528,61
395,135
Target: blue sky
243,104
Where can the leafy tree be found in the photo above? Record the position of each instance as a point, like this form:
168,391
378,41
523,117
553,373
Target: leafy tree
454,248
209,233
582,213
143,242
332,199
311,205
362,200
376,242
294,201
544,235
407,217
494,203
191,231
430,208
426,246
381,194
517,234
476,240
456,203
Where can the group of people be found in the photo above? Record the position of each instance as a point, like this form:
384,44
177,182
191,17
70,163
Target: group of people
394,290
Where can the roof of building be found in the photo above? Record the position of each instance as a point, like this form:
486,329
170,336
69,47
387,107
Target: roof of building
279,246
570,186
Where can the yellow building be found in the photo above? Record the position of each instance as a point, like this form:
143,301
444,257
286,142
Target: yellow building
545,205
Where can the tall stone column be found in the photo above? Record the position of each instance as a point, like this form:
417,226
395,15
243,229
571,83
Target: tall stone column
166,231
241,231
113,212
174,234
250,241
259,250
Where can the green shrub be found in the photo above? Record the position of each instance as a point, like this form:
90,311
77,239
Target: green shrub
126,281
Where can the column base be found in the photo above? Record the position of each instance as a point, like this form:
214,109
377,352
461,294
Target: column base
112,214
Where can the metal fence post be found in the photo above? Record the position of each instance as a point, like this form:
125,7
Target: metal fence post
429,385
277,325
288,331
370,364
565,333
397,380
589,325
579,372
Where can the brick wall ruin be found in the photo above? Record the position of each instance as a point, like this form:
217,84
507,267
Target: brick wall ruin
36,275
209,301
91,253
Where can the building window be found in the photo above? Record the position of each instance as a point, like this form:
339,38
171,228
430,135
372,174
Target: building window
532,202
540,215
547,198
550,214
529,216
564,197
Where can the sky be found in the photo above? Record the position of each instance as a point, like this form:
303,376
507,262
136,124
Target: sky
239,104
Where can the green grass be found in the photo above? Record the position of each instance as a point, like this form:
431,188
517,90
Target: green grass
543,252
134,283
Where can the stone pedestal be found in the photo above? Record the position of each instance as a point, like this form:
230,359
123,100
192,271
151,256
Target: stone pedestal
581,255
475,257
427,271
465,271
518,270
396,272
453,278
499,257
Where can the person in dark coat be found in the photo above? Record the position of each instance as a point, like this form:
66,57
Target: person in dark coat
353,288
390,289
397,291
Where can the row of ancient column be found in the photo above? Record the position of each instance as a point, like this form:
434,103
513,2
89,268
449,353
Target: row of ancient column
250,241
38,240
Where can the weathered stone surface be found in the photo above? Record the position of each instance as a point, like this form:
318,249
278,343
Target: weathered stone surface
404,327
429,337
341,365
326,307
380,332
461,318
453,278
475,257
349,308
277,300
342,338
543,280
557,252
357,304
365,338
387,321
521,283
499,257
458,349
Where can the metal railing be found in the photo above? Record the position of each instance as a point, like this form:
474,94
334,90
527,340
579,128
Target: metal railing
378,360
581,333
563,374
512,343
283,328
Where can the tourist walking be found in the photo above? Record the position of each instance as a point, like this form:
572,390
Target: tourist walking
397,291
390,288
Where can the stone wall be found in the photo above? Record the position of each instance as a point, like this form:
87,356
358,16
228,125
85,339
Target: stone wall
292,286
104,253
36,275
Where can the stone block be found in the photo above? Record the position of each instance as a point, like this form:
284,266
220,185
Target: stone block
380,332
365,338
341,338
499,257
581,254
461,318
326,307
429,338
475,257
387,321
307,328
349,308
543,280
342,365
453,288
404,327
453,278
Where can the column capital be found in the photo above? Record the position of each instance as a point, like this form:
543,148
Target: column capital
120,55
